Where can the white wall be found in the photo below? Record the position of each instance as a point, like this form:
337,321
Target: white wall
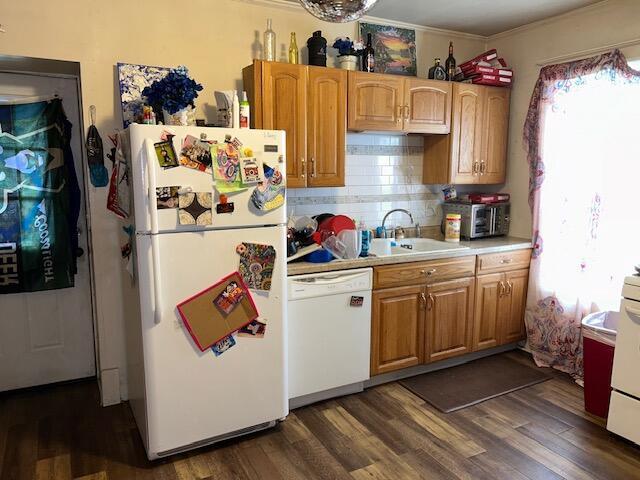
603,24
214,38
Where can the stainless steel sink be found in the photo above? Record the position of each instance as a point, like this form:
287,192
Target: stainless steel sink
387,246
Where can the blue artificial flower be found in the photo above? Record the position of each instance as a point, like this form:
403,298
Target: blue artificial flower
174,92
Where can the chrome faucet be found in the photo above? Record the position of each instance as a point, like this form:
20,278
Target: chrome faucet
384,219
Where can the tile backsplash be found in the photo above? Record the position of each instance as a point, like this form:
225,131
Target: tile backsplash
383,172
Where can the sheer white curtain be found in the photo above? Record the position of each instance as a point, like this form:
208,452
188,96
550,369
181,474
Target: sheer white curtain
584,150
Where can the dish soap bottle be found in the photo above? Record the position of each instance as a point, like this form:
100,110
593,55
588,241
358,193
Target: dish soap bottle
437,72
244,111
269,53
293,49
365,235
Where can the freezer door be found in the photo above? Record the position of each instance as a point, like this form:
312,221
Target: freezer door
193,396
148,175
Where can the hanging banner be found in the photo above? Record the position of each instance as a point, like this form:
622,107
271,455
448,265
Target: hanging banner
39,198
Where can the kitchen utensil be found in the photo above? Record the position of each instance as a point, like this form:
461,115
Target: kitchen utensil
352,241
337,248
302,251
305,226
319,256
336,224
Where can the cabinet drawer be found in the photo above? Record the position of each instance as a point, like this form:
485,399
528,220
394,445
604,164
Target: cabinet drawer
423,272
501,262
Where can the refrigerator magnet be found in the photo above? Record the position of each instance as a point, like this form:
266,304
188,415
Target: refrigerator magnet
269,194
167,197
166,154
196,154
255,329
223,345
229,298
257,262
195,208
251,171
224,206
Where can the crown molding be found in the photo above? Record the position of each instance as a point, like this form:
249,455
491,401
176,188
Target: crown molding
294,5
545,21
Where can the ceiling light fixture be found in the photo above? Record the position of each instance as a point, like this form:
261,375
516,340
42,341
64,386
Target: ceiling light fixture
338,11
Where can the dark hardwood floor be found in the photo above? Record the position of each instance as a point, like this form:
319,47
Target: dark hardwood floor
540,432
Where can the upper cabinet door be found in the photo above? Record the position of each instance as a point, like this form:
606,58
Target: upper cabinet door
375,102
493,160
284,107
466,132
326,126
427,106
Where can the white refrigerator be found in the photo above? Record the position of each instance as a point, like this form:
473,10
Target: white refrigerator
182,397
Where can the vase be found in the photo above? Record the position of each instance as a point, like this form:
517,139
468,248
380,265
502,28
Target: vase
348,62
184,117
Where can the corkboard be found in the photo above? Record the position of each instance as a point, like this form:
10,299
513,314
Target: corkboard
206,323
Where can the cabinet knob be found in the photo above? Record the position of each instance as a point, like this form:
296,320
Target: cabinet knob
475,168
501,289
510,285
304,167
506,260
431,272
423,300
407,112
483,167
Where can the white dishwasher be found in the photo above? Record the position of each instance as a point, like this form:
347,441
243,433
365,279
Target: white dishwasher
329,334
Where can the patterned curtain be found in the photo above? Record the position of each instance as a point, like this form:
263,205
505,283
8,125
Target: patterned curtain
584,161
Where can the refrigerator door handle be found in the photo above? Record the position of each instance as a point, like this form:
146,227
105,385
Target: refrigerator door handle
151,183
155,278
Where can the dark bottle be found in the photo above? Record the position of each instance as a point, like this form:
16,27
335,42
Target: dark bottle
450,64
437,72
317,46
368,56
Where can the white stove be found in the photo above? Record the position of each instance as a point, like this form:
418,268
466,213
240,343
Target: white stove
624,411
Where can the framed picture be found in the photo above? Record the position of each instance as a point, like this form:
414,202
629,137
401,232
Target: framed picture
395,48
132,79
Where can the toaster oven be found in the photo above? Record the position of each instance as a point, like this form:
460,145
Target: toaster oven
480,220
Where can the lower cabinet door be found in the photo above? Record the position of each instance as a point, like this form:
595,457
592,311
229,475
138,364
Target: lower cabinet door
512,328
489,309
397,333
449,319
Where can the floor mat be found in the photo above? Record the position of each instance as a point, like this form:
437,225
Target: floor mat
458,387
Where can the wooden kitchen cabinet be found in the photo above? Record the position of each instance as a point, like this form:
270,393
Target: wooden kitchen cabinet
475,150
397,328
489,289
493,158
309,104
375,102
449,319
379,102
427,106
499,308
326,126
513,327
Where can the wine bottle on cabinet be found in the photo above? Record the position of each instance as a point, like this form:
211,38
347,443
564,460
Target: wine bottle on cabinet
450,64
368,56
293,49
269,53
437,72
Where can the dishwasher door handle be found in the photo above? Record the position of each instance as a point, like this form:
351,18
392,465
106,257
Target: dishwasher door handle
327,279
